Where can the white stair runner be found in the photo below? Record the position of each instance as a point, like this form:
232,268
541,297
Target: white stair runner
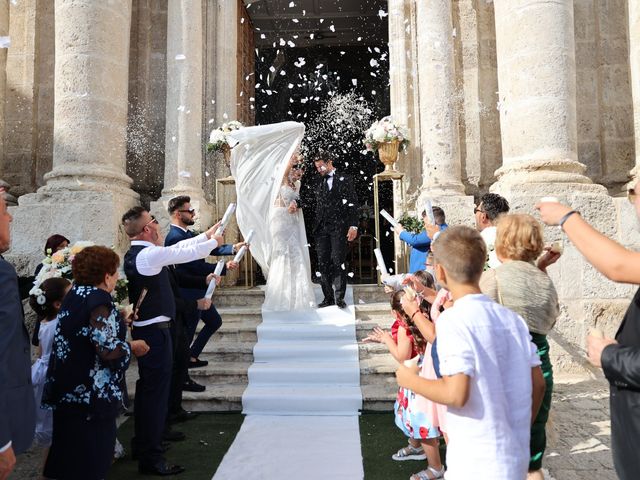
302,401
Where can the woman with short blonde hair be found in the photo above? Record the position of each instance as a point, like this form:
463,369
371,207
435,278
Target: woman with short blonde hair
521,286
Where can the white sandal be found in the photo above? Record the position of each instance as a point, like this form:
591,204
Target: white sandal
409,453
429,473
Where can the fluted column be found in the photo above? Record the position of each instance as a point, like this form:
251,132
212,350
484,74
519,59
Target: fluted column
634,64
91,85
87,191
439,136
4,32
537,92
184,145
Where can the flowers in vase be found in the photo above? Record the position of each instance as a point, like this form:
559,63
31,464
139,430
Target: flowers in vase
386,131
218,137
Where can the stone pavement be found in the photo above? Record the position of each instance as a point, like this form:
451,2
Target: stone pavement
579,434
578,441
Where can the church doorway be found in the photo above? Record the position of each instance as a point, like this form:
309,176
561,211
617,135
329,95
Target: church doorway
326,64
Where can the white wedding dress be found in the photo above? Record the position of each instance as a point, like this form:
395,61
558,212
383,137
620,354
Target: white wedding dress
258,162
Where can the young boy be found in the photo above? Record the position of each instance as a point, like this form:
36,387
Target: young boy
492,382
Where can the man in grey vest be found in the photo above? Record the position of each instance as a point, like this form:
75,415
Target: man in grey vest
17,405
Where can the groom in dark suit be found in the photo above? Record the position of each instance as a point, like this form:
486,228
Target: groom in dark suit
336,220
17,405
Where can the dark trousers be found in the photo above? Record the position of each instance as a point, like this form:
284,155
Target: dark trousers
152,393
179,373
331,245
211,319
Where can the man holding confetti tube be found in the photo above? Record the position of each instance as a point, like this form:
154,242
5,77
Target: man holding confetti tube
182,217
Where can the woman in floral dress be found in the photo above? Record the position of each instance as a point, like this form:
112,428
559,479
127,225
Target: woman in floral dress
88,361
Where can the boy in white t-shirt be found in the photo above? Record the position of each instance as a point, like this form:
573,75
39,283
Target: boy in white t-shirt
492,383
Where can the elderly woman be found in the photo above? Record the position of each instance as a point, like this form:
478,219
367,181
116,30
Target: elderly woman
522,287
86,369
619,358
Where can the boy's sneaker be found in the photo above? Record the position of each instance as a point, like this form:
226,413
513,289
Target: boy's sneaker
409,453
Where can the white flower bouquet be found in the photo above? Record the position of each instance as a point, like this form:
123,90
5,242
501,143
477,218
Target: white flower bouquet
58,264
386,131
218,137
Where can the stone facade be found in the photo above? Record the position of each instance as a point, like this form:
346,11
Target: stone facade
107,104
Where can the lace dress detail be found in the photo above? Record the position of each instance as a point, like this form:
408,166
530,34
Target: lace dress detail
289,284
44,417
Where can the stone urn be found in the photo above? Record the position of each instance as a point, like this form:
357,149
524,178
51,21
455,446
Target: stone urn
388,153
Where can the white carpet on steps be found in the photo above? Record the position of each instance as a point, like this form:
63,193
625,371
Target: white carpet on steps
302,401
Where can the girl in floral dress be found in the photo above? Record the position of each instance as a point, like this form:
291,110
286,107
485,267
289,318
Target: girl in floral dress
419,424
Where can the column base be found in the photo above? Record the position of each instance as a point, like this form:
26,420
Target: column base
542,171
80,215
204,212
458,209
77,178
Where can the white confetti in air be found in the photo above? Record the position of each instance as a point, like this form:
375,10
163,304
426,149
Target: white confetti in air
318,274
173,139
295,20
292,4
181,56
311,36
350,274
359,39
354,81
373,62
332,28
263,36
272,69
184,174
181,108
291,44
361,301
373,92
206,173
282,44
344,201
242,20
382,13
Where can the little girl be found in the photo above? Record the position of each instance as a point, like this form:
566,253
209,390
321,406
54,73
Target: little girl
45,302
418,423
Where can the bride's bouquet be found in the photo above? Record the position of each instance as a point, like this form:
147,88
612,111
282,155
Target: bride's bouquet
385,131
58,264
218,137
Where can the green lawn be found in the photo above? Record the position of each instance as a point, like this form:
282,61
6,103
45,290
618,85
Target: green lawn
210,435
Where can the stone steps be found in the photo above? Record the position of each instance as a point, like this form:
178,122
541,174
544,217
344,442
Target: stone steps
230,351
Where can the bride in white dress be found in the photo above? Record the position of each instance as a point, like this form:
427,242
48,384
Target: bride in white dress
266,169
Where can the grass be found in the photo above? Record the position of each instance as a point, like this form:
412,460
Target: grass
380,438
210,435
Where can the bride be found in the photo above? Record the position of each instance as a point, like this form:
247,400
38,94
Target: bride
267,171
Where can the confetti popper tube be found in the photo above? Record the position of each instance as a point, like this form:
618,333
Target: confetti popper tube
244,248
389,218
380,260
212,286
428,208
226,218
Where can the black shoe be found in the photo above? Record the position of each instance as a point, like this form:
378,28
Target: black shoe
182,416
173,436
326,303
191,386
198,363
161,469
341,304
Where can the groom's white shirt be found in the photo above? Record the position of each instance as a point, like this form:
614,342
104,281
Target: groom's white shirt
330,179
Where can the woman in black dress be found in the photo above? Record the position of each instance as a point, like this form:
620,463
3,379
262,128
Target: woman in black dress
88,361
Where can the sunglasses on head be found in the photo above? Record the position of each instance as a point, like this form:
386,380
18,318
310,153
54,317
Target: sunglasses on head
189,210
477,209
153,220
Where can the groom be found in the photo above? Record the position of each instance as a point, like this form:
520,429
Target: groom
336,220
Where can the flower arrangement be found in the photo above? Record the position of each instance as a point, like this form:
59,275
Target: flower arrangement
58,264
385,131
218,137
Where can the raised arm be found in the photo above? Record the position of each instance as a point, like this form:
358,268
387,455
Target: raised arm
609,257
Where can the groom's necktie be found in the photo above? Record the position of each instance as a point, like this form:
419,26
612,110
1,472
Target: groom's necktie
325,182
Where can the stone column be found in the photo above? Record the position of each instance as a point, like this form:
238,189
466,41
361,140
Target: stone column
537,96
634,63
4,32
441,174
439,101
87,191
184,145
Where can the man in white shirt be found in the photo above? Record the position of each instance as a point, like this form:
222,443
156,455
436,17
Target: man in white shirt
145,265
486,214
